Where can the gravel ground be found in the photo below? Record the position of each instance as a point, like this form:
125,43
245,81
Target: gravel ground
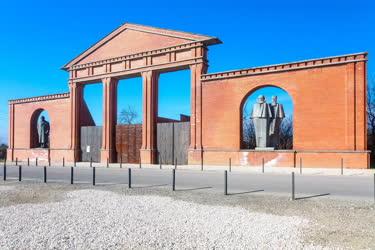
58,216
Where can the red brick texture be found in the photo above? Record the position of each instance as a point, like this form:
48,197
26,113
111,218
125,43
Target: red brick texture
329,97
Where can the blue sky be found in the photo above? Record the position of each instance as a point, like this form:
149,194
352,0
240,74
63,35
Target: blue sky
38,37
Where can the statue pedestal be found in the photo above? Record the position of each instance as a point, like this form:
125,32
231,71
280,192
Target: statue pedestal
265,149
41,153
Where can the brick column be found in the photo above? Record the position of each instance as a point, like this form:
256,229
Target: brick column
109,120
10,151
195,150
76,95
150,109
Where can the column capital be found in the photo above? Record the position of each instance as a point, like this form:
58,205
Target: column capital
110,80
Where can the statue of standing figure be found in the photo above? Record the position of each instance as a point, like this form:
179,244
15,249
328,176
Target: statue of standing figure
278,115
267,119
261,116
43,131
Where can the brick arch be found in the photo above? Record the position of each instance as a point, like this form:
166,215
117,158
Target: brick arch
34,127
246,97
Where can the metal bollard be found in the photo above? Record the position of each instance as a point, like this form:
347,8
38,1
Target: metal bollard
129,178
93,176
28,161
342,166
107,163
225,182
45,174
71,175
230,164
263,165
300,165
16,161
63,161
173,179
19,173
160,164
293,187
36,161
5,172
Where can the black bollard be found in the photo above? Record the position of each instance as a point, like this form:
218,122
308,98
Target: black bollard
63,161
262,165
71,175
173,179
120,161
230,164
93,176
129,177
107,163
293,187
140,162
90,162
28,161
175,163
16,161
45,174
5,172
36,161
19,173
342,166
75,163
160,165
49,161
225,182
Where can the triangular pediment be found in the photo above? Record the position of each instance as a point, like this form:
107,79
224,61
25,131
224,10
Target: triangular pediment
131,39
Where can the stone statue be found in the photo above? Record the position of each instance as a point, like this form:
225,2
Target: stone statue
277,116
261,115
43,131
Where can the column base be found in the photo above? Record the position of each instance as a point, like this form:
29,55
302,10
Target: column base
195,156
108,155
10,154
148,156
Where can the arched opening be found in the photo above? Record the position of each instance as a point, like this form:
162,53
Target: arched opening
267,119
40,129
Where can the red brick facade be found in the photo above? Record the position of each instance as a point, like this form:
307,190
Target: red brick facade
329,97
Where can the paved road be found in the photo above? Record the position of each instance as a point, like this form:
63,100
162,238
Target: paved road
347,187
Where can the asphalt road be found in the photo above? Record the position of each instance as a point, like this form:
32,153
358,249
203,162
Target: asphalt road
306,186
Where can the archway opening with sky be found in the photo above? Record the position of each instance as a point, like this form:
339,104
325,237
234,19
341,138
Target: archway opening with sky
248,139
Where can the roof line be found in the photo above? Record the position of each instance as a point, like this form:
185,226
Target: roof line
282,64
132,26
40,98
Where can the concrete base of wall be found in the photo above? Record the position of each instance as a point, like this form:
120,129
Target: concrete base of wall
56,155
285,158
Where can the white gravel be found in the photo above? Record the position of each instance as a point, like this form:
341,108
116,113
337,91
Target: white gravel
6,188
93,219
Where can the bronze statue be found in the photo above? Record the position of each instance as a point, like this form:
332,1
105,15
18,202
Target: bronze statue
267,120
43,131
261,118
278,115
